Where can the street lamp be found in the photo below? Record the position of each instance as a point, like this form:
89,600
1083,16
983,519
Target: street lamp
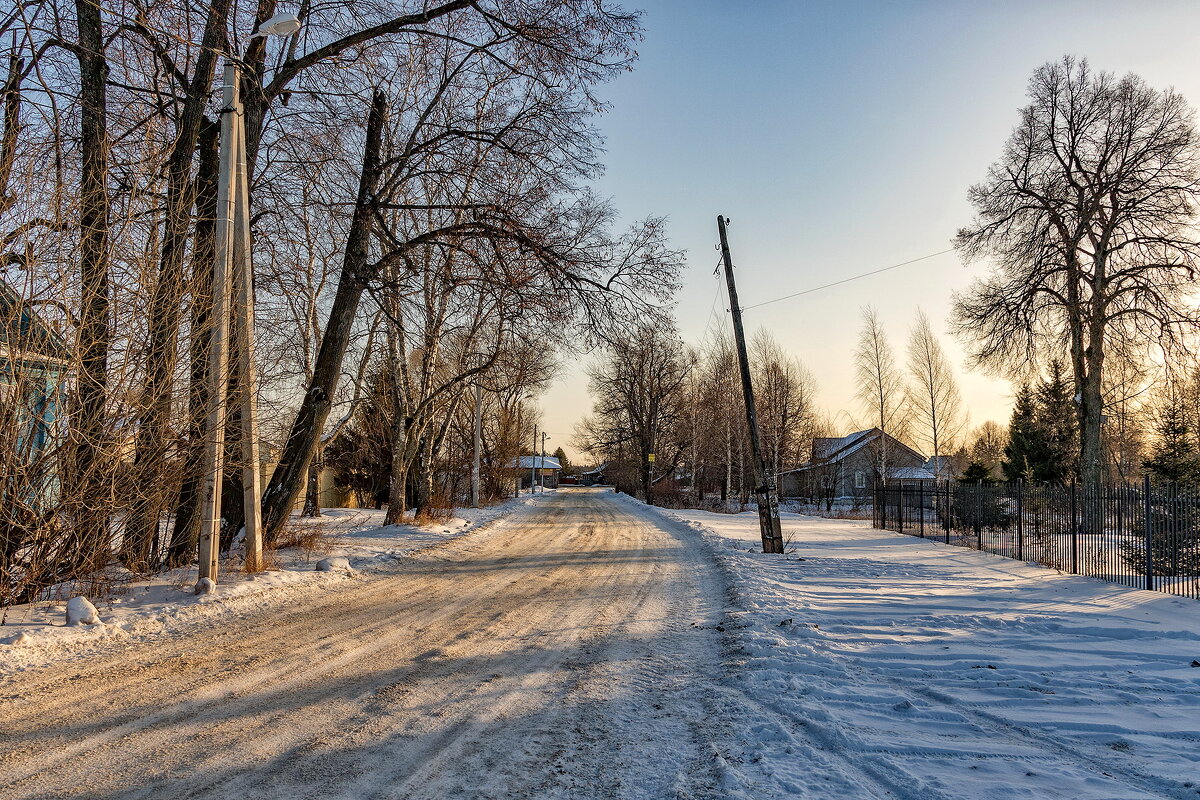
233,281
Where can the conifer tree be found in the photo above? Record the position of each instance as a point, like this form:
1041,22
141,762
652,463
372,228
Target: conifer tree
1175,458
1026,449
1057,418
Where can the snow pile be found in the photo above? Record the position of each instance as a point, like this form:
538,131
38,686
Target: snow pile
34,634
80,611
871,664
335,564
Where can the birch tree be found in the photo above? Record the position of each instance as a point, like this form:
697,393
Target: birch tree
881,388
934,398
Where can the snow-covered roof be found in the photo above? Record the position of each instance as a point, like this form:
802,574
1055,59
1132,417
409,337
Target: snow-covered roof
911,474
536,462
939,464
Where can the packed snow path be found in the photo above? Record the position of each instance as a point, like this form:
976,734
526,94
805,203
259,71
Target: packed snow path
553,655
590,647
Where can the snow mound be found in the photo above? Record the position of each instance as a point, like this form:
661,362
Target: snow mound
80,611
205,586
334,564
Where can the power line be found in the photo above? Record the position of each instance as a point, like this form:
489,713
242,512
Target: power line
847,280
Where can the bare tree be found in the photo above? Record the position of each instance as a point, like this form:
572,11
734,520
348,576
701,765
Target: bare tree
1088,218
881,389
934,398
638,389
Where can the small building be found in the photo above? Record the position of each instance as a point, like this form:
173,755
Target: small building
544,469
847,467
594,476
34,364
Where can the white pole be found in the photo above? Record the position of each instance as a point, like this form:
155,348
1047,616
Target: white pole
478,446
214,423
244,338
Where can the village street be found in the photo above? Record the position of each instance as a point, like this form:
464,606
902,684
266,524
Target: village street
551,655
588,646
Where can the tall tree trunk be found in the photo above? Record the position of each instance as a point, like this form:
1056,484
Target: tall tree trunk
398,489
88,486
186,531
153,440
312,492
288,477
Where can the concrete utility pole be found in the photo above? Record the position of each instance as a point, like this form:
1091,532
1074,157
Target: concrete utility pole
232,265
533,463
542,477
764,479
478,445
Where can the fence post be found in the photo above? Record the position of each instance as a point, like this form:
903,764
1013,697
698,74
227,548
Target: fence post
1148,533
900,508
1020,519
921,505
947,509
875,519
979,514
1074,530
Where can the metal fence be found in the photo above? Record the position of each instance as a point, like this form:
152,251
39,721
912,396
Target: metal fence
1144,536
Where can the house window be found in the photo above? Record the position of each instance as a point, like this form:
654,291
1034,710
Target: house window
860,479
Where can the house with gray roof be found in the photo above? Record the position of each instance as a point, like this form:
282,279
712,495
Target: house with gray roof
847,467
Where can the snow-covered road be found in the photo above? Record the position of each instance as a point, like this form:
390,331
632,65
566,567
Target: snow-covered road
590,647
553,655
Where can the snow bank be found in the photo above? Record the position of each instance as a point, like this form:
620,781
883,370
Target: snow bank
34,634
883,665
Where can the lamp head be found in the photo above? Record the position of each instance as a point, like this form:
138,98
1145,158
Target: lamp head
285,23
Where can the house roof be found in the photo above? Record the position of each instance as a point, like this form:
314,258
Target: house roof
832,450
536,462
938,464
24,334
911,474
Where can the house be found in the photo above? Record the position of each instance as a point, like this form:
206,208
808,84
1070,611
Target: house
34,363
847,467
545,469
593,476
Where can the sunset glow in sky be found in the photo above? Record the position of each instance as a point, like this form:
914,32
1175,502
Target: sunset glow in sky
841,138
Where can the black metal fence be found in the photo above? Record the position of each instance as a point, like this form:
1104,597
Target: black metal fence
1144,536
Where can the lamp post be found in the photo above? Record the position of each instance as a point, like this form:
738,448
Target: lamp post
233,283
542,477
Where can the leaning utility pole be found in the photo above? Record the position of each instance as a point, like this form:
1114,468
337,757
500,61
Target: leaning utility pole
764,479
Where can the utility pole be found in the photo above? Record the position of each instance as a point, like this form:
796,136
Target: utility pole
764,479
533,462
542,477
478,445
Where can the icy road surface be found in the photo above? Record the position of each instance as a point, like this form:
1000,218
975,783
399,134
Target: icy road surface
589,647
553,655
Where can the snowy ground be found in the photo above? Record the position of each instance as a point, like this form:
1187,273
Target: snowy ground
140,609
588,646
887,666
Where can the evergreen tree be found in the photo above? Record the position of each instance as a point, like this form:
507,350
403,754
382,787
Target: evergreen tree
561,455
1175,458
976,472
1056,416
1026,449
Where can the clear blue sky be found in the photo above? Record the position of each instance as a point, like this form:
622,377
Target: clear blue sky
839,138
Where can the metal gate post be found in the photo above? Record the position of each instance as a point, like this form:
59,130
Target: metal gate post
1148,534
900,509
1020,519
921,505
947,510
979,514
1074,530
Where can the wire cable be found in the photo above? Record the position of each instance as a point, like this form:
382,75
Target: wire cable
848,280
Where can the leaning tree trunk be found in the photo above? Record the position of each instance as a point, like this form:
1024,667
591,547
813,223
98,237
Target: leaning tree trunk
87,485
288,478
